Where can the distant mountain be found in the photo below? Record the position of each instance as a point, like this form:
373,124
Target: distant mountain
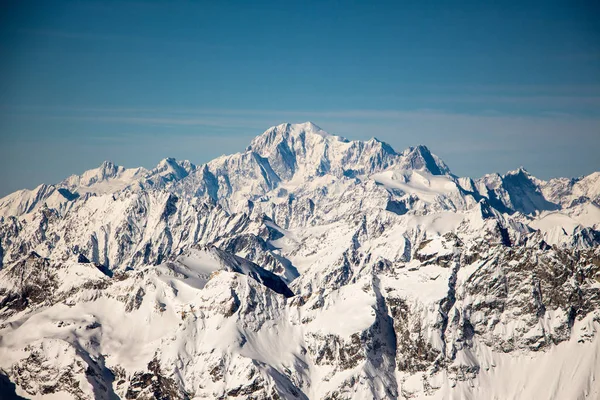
308,266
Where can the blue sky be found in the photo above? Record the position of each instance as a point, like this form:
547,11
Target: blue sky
488,87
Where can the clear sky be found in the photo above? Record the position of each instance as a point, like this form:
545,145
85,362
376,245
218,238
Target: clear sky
488,86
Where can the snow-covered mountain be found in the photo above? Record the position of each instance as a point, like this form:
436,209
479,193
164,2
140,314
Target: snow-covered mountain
308,266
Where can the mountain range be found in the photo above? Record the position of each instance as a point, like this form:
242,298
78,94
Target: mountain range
308,266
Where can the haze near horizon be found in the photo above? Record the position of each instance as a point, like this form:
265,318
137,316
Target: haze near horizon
488,88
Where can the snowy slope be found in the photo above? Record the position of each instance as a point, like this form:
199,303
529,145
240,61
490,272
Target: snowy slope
308,266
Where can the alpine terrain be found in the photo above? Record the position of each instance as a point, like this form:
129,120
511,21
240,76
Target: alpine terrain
308,266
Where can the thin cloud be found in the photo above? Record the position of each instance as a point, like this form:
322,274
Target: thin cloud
242,117
472,144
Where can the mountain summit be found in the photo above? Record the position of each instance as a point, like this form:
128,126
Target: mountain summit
421,158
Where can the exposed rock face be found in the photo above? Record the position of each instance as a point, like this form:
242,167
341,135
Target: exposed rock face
33,284
153,385
307,267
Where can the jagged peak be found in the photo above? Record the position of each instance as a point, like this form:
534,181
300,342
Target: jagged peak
522,174
170,166
418,149
107,168
307,126
285,140
107,164
296,129
420,158
519,171
286,131
168,163
383,145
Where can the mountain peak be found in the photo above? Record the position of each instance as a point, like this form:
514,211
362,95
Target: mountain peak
383,145
422,149
172,169
307,126
106,170
296,129
167,162
265,143
519,171
108,165
420,158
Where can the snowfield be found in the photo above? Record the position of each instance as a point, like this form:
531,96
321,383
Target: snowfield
308,266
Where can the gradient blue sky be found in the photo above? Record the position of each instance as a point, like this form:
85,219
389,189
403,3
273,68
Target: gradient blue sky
488,87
